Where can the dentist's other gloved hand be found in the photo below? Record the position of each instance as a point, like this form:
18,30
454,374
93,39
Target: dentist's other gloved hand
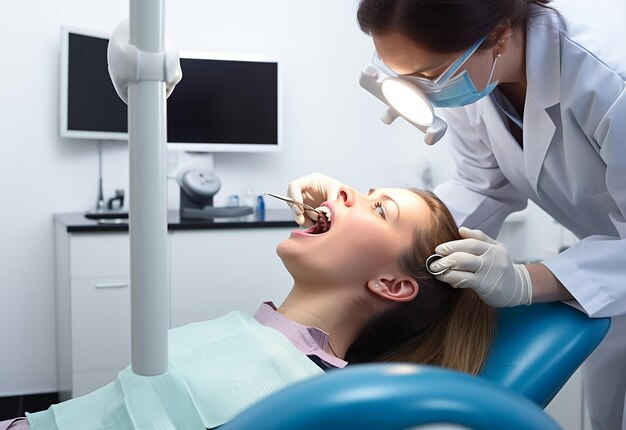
483,264
313,189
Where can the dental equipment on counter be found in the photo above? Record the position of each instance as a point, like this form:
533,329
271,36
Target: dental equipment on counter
197,188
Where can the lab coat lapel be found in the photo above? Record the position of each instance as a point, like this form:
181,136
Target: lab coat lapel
543,73
537,137
506,150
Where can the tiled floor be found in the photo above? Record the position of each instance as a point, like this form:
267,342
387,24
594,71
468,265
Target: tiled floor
16,406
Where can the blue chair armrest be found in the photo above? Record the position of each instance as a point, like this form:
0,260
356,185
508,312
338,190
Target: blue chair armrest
537,348
393,396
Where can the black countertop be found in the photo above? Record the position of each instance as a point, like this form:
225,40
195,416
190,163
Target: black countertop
77,222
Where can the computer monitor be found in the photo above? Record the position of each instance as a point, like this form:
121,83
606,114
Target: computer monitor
224,103
89,106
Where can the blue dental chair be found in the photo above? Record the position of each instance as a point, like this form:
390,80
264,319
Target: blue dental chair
537,348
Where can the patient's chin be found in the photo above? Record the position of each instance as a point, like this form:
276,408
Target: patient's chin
299,261
282,248
288,252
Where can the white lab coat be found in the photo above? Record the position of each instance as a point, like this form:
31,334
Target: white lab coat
573,165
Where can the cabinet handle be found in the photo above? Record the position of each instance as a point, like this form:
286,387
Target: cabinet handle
112,285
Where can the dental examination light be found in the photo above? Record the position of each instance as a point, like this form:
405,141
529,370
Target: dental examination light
404,100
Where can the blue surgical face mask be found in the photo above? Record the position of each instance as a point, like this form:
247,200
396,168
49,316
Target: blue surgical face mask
449,91
461,91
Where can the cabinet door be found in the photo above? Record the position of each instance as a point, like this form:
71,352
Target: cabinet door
100,324
214,272
99,255
99,309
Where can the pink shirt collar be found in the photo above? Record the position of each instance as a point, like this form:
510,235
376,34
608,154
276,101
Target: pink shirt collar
309,340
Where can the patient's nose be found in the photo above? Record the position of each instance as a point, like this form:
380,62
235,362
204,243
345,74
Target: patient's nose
346,195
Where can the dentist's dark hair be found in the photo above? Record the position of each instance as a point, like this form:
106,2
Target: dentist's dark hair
446,25
442,326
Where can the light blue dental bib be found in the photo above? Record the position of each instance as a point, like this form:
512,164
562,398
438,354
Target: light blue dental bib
216,369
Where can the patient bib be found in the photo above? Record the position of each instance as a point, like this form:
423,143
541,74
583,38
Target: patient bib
216,369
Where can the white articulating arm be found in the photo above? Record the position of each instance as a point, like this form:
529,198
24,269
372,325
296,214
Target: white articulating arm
148,195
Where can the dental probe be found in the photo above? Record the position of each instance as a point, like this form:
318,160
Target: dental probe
288,200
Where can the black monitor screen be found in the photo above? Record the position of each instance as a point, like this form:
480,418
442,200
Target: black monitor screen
224,102
92,103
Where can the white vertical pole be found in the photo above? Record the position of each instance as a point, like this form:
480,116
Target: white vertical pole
148,201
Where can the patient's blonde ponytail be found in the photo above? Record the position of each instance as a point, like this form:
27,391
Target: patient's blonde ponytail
468,334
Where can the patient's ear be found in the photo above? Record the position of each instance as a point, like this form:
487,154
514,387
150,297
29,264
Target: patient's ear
401,289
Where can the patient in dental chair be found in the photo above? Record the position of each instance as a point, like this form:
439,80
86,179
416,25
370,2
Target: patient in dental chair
361,294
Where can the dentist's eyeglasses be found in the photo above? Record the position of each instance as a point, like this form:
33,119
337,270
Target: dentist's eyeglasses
430,85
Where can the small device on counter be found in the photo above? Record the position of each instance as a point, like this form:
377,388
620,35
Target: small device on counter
197,188
113,209
116,203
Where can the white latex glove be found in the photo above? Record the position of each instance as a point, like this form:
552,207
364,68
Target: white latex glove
313,189
129,64
483,264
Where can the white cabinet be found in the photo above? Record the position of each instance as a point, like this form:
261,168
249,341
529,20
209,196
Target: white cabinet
93,309
211,272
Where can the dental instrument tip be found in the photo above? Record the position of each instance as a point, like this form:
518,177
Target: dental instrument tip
288,200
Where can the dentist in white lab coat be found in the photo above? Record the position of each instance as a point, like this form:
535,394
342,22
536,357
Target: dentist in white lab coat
537,112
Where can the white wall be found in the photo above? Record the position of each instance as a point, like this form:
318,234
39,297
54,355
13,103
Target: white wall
330,125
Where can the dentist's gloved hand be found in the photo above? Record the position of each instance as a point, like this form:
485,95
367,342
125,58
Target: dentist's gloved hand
313,189
483,264
126,66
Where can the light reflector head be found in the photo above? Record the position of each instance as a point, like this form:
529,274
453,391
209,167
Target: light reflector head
408,100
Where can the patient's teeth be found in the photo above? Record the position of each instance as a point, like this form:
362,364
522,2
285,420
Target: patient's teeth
322,222
326,211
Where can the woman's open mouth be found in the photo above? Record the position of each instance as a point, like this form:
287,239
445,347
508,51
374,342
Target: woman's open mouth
323,222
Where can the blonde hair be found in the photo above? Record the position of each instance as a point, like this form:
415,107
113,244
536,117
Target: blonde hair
442,326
